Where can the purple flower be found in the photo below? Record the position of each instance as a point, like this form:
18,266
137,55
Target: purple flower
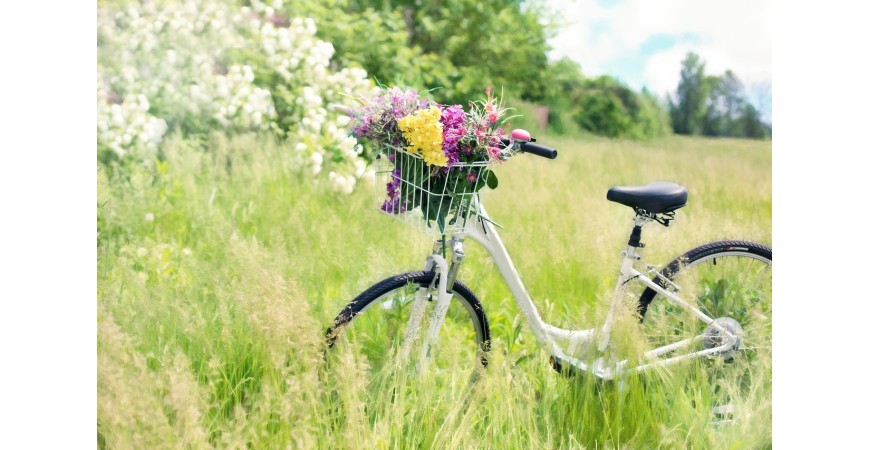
377,119
453,128
391,204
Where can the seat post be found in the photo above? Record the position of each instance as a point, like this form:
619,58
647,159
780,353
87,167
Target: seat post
630,257
634,239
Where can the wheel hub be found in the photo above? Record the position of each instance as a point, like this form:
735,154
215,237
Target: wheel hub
713,337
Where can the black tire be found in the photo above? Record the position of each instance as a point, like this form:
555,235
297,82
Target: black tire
464,316
723,279
672,270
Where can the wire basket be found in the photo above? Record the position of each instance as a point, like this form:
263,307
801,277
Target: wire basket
435,200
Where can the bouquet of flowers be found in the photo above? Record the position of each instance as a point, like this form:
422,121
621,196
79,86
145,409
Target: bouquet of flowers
440,155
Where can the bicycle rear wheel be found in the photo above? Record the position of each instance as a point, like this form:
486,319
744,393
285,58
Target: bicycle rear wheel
731,282
374,325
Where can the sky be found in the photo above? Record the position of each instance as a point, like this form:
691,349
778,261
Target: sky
642,42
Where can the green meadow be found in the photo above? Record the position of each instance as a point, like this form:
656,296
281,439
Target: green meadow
219,271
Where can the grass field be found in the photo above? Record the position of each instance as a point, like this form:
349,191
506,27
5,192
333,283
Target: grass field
218,272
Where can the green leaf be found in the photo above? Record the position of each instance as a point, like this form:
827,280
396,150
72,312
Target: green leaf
491,179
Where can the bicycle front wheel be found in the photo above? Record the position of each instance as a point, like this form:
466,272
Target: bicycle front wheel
375,326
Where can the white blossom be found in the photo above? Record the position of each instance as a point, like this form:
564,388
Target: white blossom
164,57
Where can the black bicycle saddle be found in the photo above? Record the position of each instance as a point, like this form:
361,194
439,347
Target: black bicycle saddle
654,198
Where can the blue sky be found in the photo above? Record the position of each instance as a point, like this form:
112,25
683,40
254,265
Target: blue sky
643,41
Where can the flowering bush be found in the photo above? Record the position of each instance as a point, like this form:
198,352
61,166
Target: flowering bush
441,154
127,125
196,66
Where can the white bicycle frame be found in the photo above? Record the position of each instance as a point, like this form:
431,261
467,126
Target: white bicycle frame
548,336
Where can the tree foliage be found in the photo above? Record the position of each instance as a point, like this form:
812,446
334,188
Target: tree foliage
690,104
610,108
602,105
713,105
458,47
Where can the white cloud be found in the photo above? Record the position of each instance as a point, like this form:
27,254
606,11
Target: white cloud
729,34
576,40
661,72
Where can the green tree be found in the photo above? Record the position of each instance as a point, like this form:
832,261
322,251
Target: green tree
610,108
750,123
724,106
470,44
564,75
714,105
370,36
565,82
652,118
689,107
602,112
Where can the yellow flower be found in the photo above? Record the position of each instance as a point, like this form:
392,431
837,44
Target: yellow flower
422,130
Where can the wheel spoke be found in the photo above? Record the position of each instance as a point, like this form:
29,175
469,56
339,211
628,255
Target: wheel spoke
382,315
736,285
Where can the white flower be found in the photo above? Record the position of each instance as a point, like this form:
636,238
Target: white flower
249,73
186,42
339,183
349,184
369,177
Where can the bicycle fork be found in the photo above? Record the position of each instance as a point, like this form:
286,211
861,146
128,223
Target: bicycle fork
442,302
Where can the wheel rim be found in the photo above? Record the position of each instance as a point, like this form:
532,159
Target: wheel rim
377,334
736,285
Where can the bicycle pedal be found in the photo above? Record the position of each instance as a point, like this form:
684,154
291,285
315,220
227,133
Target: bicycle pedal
722,415
723,410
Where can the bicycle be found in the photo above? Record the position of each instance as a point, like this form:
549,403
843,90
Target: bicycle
713,301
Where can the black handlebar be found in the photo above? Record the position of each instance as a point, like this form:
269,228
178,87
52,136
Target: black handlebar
540,150
535,149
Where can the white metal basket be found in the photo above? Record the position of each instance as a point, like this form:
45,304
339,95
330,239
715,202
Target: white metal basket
413,192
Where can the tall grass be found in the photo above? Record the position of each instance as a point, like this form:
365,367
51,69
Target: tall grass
219,270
